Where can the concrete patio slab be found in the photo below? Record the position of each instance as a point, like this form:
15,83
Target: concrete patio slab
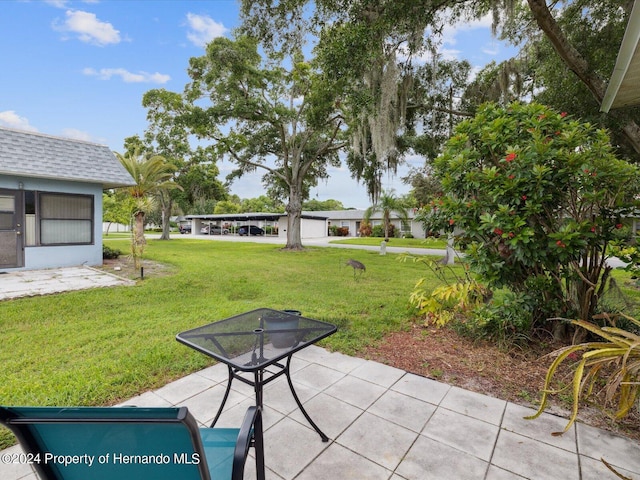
28,283
387,424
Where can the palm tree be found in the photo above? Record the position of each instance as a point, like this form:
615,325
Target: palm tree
388,204
153,175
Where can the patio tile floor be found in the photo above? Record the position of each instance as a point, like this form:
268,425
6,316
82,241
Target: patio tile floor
387,424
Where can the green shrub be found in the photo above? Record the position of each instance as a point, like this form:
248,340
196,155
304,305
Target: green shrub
507,320
378,231
110,253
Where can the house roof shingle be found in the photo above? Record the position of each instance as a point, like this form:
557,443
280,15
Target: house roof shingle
44,156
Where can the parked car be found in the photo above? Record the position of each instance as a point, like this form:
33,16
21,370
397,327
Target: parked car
250,230
184,228
214,230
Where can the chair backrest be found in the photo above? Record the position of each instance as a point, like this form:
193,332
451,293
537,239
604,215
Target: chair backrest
110,443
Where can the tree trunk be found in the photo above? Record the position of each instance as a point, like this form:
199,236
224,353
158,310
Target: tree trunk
294,217
166,218
579,65
387,220
138,243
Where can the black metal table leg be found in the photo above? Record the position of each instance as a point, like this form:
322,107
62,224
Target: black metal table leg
224,399
258,382
295,397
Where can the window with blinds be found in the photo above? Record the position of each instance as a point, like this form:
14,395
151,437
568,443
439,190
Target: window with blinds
65,219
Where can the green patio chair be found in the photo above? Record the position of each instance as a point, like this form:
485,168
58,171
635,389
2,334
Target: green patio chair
132,443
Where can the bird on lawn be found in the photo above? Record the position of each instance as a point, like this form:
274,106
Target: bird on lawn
356,266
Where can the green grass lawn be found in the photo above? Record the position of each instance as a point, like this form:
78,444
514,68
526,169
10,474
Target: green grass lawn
439,243
101,346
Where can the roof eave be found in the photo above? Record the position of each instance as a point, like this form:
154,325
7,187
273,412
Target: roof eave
106,183
628,59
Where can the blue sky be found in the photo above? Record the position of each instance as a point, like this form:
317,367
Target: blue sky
80,68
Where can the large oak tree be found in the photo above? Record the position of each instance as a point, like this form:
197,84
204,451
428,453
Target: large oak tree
373,27
272,113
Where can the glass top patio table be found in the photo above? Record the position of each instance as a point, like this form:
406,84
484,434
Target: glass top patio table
256,342
253,340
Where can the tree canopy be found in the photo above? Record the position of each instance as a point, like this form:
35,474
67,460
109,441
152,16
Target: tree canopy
271,113
568,50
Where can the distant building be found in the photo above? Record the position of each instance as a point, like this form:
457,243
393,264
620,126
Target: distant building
353,219
315,224
51,199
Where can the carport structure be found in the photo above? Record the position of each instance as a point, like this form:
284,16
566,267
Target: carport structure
312,225
233,221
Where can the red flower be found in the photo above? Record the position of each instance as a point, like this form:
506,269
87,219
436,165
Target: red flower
511,157
451,221
593,229
511,177
523,197
618,226
497,231
560,244
563,114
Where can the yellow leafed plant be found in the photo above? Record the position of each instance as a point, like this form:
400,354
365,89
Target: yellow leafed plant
619,352
441,305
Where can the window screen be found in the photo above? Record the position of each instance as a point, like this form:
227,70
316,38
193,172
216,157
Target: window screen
66,219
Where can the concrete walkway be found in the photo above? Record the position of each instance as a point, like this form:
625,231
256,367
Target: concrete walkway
29,283
387,424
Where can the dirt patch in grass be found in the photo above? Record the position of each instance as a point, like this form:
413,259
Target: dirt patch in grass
124,267
516,376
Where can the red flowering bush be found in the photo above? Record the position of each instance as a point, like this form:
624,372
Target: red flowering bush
538,196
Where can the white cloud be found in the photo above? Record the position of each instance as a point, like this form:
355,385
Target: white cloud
126,76
449,53
88,28
57,3
9,118
475,70
203,29
80,135
64,3
492,51
450,31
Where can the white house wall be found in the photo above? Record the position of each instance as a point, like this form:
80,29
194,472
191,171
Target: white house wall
309,228
352,223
